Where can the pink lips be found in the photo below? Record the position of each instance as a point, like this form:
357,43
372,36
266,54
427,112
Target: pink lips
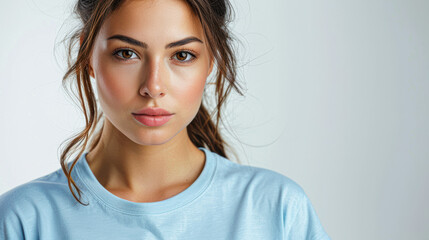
153,117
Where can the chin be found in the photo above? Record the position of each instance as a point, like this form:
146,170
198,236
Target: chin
154,136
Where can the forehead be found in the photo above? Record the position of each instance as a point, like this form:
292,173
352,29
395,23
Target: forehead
153,20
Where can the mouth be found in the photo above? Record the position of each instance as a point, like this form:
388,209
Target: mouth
153,112
153,120
152,115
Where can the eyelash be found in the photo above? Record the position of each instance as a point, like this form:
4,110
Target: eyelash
188,51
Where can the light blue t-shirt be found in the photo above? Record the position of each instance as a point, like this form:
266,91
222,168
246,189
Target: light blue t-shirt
227,201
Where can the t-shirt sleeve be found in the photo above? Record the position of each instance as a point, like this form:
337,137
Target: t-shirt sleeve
11,225
301,220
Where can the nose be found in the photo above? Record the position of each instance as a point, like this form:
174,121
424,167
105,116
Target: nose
154,78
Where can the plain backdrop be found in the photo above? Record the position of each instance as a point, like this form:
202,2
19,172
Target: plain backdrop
336,98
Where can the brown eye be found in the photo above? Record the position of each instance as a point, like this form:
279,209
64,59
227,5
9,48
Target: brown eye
127,53
181,56
124,54
184,56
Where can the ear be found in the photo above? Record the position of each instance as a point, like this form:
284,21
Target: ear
211,66
91,71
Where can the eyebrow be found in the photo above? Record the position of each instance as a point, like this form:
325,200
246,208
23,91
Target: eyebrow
138,43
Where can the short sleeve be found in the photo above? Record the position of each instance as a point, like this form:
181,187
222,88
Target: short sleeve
301,221
11,226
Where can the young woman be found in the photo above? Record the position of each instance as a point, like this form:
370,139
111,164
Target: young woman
156,167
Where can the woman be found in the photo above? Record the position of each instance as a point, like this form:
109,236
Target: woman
156,168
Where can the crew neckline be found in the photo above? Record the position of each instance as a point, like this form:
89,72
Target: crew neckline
86,176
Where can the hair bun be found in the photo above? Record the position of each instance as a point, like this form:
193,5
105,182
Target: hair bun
219,7
84,8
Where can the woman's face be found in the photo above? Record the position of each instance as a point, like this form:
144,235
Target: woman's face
150,54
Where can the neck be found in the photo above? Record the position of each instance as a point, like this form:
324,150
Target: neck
122,165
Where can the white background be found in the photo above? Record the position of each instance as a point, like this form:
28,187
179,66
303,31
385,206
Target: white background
337,100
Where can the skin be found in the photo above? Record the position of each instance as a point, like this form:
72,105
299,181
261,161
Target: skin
133,161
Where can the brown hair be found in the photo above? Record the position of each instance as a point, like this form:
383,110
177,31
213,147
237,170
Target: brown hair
214,16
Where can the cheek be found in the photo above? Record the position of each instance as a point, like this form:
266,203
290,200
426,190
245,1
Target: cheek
114,85
189,89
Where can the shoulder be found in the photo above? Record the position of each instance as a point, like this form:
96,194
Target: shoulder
28,198
36,187
22,207
279,195
262,180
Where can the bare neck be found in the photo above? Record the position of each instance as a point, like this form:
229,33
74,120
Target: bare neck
122,166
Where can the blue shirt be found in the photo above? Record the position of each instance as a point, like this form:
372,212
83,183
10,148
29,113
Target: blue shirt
227,201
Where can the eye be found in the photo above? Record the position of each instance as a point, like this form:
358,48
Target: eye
184,56
124,54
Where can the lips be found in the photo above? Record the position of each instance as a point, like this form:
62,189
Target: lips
153,112
153,117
